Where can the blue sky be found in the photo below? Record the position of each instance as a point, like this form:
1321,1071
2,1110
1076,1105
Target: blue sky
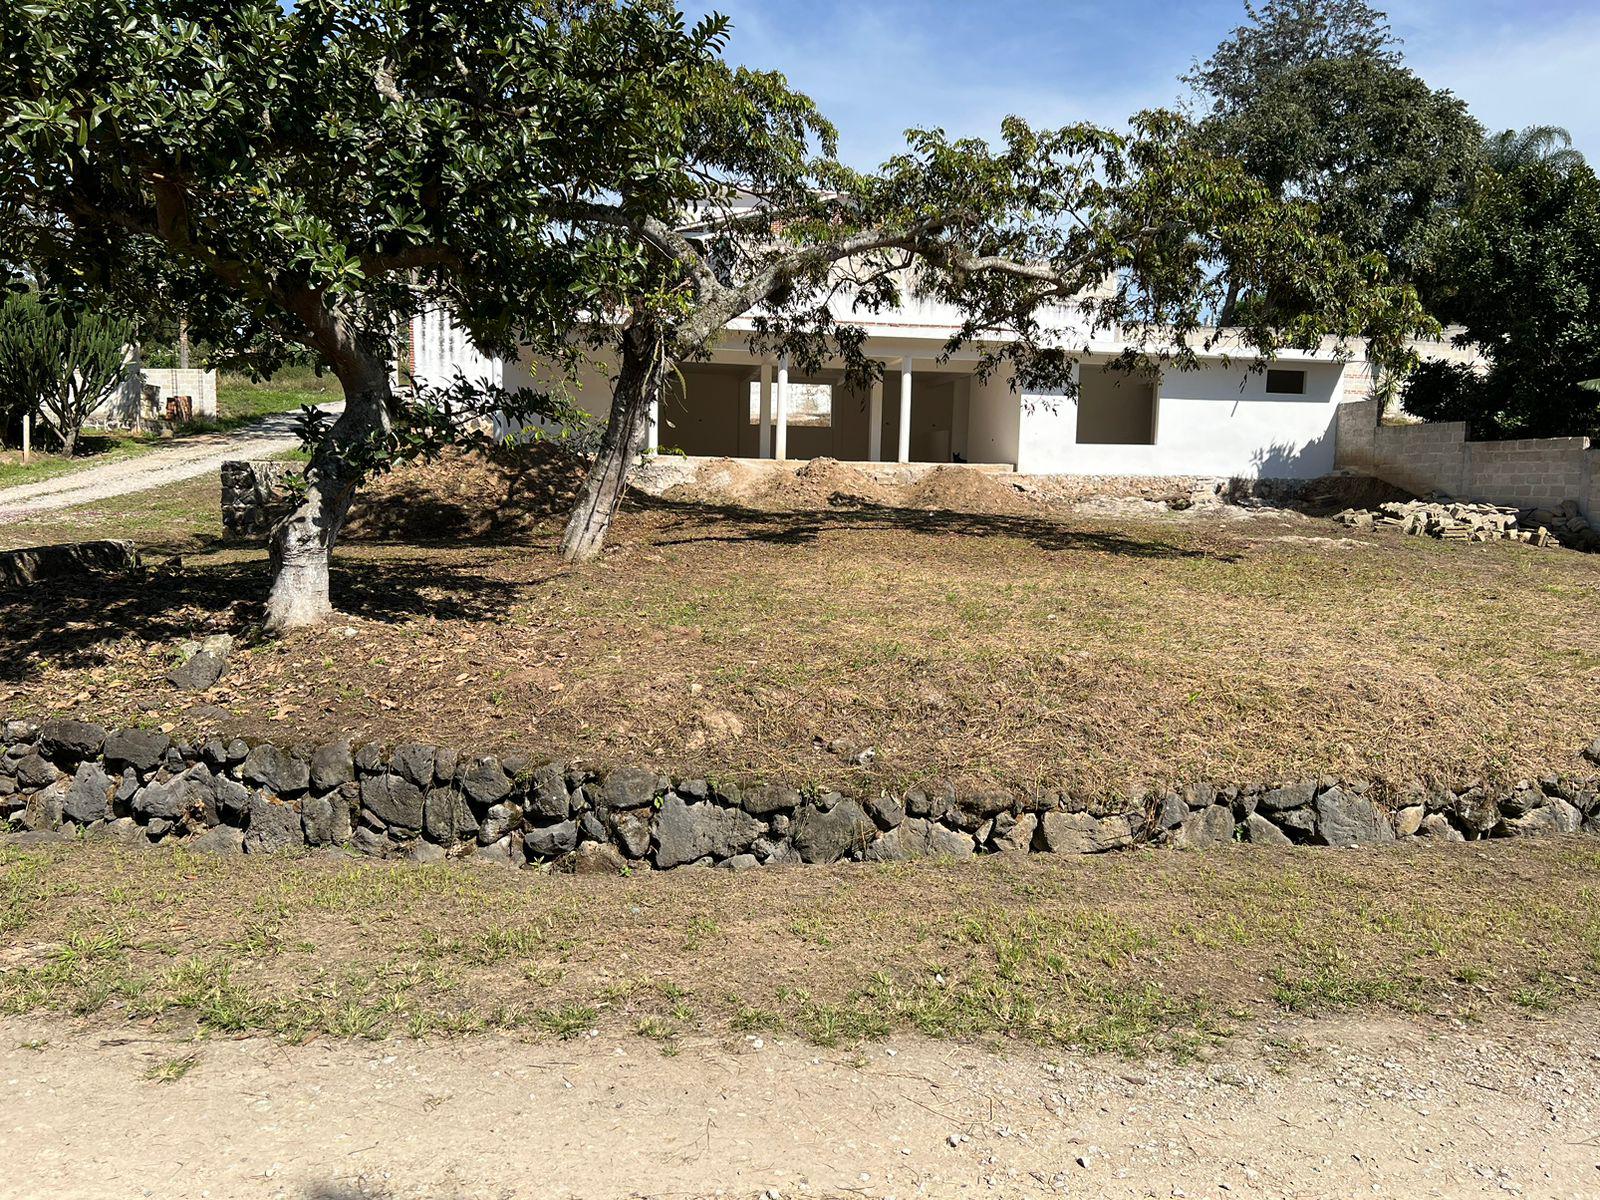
876,68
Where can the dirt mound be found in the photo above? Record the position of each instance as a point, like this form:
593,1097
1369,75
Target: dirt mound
721,481
820,483
827,481
960,489
468,495
1333,493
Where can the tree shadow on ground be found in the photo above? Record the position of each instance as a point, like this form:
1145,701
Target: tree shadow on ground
70,623
731,523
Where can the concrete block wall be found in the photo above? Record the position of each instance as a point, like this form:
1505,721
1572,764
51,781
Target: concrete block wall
125,407
1437,457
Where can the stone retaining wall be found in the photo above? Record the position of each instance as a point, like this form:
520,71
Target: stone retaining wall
428,803
254,495
19,568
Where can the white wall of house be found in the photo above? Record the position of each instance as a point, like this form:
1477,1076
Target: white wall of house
994,420
1216,420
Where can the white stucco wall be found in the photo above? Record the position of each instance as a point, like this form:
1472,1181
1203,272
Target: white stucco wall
1212,421
993,420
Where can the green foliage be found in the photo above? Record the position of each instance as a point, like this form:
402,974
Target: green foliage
29,358
92,362
1519,270
1312,98
307,176
57,363
1548,144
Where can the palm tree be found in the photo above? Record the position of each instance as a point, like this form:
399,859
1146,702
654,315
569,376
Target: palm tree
1547,144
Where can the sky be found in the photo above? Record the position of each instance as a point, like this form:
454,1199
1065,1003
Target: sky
878,68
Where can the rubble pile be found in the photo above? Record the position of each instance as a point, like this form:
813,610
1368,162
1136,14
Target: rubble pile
1456,521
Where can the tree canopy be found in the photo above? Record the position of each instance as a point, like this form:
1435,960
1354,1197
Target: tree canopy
1313,98
315,174
1518,268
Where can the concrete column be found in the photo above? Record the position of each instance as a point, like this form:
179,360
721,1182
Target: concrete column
781,436
652,428
766,409
875,423
904,453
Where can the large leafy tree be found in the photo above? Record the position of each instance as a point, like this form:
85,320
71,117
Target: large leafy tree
307,176
1313,98
1518,267
1041,243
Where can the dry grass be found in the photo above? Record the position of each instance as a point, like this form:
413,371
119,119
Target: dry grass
1127,953
1006,650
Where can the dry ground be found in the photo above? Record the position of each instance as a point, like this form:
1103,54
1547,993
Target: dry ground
1009,649
1316,1109
1410,1021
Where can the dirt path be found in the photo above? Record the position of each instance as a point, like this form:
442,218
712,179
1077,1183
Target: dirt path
1315,1109
196,455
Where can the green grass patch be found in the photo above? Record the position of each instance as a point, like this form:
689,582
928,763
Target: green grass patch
1104,954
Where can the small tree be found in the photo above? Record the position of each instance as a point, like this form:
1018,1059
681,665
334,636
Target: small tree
30,359
91,363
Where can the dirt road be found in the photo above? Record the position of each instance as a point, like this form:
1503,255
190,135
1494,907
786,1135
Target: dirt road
1328,1108
195,455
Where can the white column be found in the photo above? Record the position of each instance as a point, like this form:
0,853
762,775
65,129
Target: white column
875,423
781,439
766,409
904,454
652,427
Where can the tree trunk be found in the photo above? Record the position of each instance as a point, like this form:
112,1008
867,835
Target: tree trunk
1230,303
638,385
302,543
69,440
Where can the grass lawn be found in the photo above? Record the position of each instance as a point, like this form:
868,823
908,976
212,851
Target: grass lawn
241,400
1091,655
1147,950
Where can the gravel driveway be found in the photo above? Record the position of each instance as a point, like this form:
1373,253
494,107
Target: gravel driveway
197,455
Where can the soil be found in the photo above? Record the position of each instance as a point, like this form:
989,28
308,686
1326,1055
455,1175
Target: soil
1078,650
1312,1109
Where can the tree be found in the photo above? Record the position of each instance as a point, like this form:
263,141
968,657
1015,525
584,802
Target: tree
1312,97
1043,242
1519,269
1549,144
91,357
313,175
59,363
29,359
